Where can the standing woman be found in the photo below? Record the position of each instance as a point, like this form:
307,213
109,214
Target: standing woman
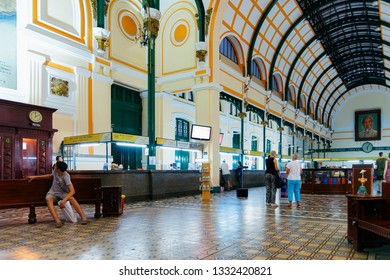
294,171
271,172
239,170
386,172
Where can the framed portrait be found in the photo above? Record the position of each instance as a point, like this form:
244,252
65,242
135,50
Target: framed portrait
368,125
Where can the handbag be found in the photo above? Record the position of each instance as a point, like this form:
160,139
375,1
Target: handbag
279,182
68,212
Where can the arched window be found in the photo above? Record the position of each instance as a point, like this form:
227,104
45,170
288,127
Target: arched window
233,110
236,140
268,146
277,84
254,144
182,130
319,115
291,95
274,85
255,71
226,49
311,108
190,96
303,103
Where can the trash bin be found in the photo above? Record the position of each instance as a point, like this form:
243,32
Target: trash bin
112,200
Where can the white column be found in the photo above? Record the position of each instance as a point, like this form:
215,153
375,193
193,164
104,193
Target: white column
36,62
207,113
82,76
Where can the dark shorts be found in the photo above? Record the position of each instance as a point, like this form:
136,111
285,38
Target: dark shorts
379,177
56,196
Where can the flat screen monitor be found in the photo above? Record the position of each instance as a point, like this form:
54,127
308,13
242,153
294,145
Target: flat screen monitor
200,132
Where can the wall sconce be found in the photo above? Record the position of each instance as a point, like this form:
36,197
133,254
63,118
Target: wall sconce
151,24
102,37
242,115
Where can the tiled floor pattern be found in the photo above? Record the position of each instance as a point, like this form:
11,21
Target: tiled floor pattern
186,228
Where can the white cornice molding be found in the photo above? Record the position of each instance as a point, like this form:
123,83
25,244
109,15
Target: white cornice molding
128,71
46,40
102,78
82,72
159,94
175,78
38,57
208,86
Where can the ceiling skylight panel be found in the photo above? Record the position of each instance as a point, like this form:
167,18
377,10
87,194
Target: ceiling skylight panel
238,25
307,86
279,19
254,17
247,33
317,70
287,52
285,67
229,16
385,11
282,64
300,68
295,78
385,34
295,41
308,57
269,36
245,9
262,49
326,63
236,3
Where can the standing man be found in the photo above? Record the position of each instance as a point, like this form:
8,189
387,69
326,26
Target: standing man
380,165
240,174
225,175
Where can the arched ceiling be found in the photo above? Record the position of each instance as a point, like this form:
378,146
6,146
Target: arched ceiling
326,50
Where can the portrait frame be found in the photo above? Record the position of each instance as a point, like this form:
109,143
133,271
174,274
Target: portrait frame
375,116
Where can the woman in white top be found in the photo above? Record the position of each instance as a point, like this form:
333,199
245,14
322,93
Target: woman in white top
294,171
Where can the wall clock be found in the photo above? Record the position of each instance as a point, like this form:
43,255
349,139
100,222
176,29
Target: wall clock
35,116
367,147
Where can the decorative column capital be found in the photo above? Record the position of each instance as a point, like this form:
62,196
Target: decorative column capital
102,37
151,20
201,52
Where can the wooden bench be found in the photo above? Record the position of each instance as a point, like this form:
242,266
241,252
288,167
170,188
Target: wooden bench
20,193
369,219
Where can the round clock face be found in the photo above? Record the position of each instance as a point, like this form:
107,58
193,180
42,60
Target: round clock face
367,147
35,116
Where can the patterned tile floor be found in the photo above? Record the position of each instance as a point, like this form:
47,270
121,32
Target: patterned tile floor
225,228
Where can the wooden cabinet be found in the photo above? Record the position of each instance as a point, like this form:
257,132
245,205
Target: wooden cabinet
327,181
26,135
205,184
362,207
112,200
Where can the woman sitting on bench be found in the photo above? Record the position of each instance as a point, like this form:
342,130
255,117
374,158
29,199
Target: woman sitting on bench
61,190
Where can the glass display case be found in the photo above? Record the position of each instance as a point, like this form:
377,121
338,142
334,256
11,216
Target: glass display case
327,181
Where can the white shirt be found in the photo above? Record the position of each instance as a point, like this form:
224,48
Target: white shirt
295,170
225,168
